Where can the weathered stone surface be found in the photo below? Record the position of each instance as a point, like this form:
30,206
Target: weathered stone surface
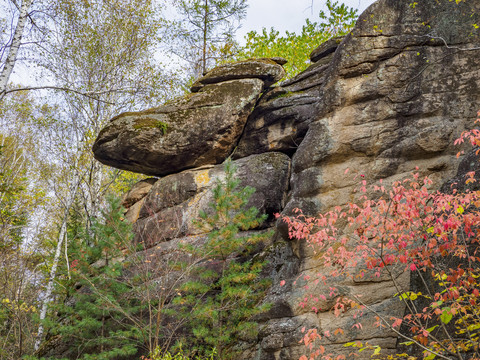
199,129
404,112
133,212
312,77
268,70
138,192
393,98
279,60
174,201
325,49
278,123
282,115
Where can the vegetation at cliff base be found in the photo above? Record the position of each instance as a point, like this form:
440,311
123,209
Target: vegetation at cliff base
224,295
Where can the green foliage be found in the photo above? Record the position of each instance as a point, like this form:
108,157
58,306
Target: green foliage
122,181
100,324
222,299
339,21
108,44
18,291
146,123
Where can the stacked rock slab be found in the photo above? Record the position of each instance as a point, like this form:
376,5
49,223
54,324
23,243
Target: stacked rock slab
388,98
175,200
199,129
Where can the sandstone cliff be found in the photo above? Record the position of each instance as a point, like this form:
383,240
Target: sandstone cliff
389,97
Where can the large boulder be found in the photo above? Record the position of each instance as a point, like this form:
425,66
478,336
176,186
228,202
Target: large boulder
400,89
196,130
397,93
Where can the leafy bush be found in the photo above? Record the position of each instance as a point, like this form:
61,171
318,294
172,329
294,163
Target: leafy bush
158,354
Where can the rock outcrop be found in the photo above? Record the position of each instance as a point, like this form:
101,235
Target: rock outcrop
386,99
267,70
198,129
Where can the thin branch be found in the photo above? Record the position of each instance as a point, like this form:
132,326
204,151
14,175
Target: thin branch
90,94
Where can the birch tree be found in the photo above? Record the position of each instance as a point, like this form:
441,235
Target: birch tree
10,48
22,198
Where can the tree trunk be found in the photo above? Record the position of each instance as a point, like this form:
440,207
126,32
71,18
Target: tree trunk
14,47
61,237
205,33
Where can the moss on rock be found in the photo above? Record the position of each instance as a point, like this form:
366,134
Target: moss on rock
145,122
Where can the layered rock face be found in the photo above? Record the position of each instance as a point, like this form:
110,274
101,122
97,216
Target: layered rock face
388,98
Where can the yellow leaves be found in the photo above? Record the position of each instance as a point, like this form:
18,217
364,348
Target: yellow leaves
473,327
124,181
361,347
409,295
14,306
430,357
441,277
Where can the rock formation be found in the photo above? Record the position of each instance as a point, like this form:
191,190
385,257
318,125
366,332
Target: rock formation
388,98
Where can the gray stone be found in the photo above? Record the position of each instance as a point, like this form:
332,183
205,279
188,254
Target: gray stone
138,192
196,130
176,200
268,70
325,49
278,123
392,99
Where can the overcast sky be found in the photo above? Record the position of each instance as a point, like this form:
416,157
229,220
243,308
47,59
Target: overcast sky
287,14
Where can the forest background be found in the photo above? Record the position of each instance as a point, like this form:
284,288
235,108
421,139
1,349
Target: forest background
92,60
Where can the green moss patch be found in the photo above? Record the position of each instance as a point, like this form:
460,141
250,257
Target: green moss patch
145,123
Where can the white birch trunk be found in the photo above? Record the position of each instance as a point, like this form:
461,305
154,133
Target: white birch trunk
95,188
14,47
61,237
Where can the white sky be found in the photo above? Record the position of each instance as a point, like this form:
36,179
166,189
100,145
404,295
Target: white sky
287,14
